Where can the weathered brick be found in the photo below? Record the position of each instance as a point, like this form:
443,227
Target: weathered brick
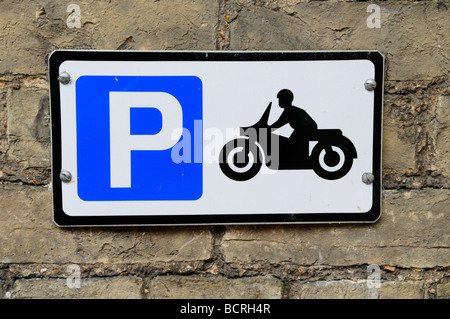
411,36
29,33
443,136
399,152
415,132
412,232
196,287
29,235
28,136
343,289
443,291
402,290
346,289
99,288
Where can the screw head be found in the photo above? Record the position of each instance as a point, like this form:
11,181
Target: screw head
65,176
370,84
64,78
368,178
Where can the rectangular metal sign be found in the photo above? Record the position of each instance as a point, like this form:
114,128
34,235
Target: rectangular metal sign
171,138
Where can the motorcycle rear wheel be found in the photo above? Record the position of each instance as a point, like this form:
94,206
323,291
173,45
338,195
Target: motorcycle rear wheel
332,164
240,160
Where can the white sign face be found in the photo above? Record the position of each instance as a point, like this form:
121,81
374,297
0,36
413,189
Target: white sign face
152,138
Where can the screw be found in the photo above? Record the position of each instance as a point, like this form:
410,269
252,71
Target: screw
370,84
64,78
367,178
65,176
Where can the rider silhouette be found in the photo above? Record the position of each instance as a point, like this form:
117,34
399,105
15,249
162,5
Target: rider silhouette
302,124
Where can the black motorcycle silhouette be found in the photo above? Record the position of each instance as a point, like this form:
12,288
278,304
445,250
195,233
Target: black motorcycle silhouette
241,159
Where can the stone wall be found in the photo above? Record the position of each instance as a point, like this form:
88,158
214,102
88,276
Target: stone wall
408,249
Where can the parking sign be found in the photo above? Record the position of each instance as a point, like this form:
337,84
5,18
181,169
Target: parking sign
124,127
170,138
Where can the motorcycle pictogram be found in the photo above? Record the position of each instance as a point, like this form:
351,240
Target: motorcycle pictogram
331,157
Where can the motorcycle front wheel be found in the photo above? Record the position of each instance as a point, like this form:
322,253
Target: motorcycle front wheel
240,159
331,161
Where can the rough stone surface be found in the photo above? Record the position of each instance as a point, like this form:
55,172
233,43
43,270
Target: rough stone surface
182,287
443,291
29,33
414,135
443,135
28,136
101,288
411,36
410,233
399,151
346,289
29,235
331,290
401,290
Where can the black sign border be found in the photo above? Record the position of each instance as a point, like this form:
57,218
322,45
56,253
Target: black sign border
60,218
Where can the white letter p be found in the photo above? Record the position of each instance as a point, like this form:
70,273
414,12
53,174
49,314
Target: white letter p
123,142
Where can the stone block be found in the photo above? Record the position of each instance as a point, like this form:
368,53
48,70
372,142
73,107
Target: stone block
343,289
347,289
196,287
28,235
30,33
399,152
443,291
98,288
443,136
411,35
28,129
412,232
402,290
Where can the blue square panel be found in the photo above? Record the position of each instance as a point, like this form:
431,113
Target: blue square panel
150,160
